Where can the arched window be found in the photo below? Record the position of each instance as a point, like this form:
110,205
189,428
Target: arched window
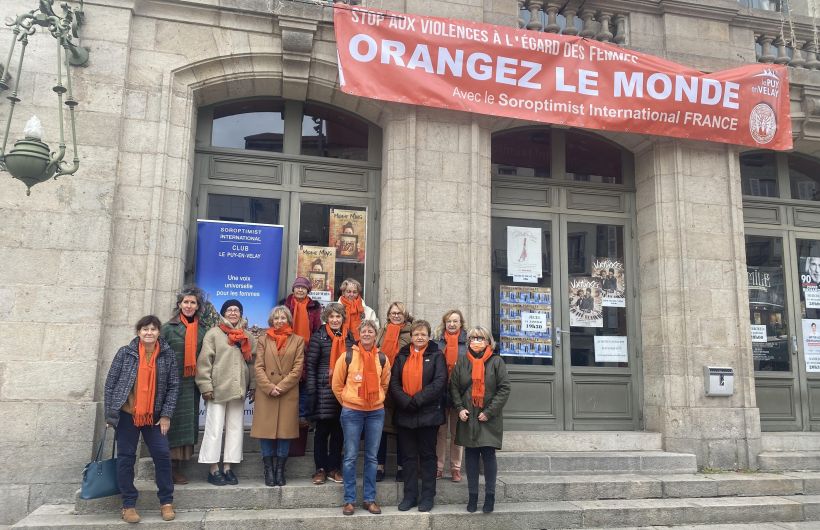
256,124
593,159
758,174
804,177
332,133
522,153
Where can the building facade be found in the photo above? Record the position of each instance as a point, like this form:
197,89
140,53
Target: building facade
231,110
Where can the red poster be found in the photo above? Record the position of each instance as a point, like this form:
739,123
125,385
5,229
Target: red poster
568,80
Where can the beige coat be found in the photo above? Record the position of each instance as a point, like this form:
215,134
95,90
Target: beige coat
220,367
277,417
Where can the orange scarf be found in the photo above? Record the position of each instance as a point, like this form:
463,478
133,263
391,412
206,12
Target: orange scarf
337,347
412,372
451,350
280,336
478,376
390,341
370,387
238,337
353,316
191,337
146,387
301,321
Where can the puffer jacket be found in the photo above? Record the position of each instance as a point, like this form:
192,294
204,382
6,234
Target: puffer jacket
123,374
426,408
321,404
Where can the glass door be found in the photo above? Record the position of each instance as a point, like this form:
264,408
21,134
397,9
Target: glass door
807,254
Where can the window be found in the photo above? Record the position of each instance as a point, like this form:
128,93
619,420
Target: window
332,133
804,178
242,209
758,174
522,153
593,159
252,124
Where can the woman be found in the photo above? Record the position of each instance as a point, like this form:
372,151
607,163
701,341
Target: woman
452,340
184,333
307,317
280,354
223,375
360,383
392,338
140,396
355,310
479,388
326,346
417,386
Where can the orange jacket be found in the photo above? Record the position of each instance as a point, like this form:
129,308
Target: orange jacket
348,379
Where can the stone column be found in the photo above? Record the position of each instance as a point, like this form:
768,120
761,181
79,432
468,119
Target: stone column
694,301
435,213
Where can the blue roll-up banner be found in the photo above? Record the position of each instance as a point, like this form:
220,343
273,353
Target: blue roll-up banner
241,261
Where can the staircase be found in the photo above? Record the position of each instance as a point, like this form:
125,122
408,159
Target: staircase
546,480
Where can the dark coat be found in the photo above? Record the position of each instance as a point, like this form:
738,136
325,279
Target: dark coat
474,433
321,403
185,423
426,408
123,374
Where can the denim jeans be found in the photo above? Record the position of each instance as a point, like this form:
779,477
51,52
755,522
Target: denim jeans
353,423
128,437
272,448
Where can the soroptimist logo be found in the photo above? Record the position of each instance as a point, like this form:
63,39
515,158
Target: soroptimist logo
762,123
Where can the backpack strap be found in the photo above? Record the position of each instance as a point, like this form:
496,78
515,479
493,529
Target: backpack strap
349,357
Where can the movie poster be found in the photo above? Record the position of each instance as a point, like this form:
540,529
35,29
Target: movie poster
585,302
524,253
810,280
318,264
348,234
525,321
610,272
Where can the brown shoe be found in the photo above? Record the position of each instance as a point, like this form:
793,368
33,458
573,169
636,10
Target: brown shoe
167,512
456,475
178,477
335,476
348,509
130,515
372,507
320,477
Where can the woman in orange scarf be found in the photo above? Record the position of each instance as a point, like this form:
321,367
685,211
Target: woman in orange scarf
140,397
392,338
479,388
452,339
417,385
184,333
356,311
280,354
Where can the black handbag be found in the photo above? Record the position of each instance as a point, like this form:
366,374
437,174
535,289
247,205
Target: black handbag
100,476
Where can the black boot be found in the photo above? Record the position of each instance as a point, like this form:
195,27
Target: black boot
472,502
279,471
267,461
489,503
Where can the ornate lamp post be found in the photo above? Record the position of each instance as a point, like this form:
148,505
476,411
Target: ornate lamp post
30,159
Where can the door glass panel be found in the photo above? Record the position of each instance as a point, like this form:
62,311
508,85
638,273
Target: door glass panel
808,259
251,124
333,245
767,304
533,298
243,209
596,297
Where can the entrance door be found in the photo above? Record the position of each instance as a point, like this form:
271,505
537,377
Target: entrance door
583,376
784,311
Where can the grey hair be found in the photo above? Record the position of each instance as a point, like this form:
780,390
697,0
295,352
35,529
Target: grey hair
333,307
191,290
369,324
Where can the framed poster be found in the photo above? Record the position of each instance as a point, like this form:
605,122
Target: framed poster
348,234
317,264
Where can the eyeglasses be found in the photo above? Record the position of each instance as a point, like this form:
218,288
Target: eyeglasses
395,314
478,339
232,310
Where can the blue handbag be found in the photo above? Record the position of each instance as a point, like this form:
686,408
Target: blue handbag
100,476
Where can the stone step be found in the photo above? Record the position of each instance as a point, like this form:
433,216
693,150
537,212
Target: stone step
560,514
789,441
789,461
597,462
300,492
586,441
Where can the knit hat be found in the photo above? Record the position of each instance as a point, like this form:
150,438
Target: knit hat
301,281
229,303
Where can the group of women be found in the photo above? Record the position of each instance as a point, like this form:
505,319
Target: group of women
334,367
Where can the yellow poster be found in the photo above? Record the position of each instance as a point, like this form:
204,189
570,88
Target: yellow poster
348,234
317,264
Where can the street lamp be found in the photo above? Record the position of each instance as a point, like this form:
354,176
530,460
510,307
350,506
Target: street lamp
31,160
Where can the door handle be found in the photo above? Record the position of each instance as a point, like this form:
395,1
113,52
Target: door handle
558,332
794,344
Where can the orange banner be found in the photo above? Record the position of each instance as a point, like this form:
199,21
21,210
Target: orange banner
568,80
